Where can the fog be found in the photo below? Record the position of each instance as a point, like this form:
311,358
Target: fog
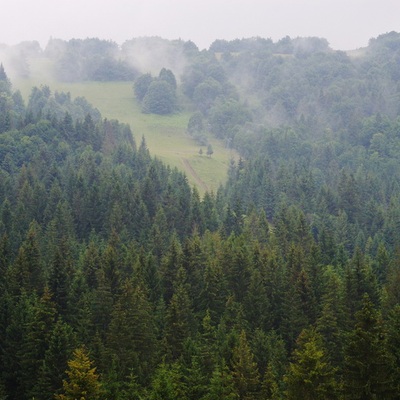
344,24
150,55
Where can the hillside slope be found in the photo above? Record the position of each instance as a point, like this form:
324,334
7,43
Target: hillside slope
165,136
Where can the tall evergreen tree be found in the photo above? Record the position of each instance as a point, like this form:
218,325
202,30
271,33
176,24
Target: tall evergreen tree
83,381
51,373
368,368
244,370
310,375
179,317
222,384
131,337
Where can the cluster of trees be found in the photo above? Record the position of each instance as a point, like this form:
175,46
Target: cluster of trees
216,100
88,60
94,59
157,95
117,280
297,82
303,79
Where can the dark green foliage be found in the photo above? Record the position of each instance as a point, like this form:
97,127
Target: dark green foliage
141,86
157,95
221,384
168,76
52,370
226,118
131,338
310,375
368,368
244,370
160,98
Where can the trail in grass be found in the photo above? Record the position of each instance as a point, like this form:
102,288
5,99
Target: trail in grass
193,173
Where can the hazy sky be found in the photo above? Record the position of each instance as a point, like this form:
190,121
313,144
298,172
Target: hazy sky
346,24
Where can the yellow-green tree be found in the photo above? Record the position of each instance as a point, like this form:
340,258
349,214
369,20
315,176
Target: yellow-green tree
83,380
310,375
244,370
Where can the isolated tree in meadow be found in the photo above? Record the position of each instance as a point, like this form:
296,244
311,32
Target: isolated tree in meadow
210,151
160,98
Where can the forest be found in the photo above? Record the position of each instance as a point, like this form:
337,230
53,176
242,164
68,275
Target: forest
118,280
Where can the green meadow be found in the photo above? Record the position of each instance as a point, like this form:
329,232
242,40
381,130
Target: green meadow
165,136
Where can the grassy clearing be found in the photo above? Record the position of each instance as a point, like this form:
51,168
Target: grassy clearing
165,136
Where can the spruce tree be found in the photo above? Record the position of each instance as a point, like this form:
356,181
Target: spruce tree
244,370
179,317
131,336
310,375
52,370
83,381
368,367
222,386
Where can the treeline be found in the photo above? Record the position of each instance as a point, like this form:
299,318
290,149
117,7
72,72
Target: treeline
94,59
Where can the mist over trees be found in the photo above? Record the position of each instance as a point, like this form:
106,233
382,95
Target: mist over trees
119,280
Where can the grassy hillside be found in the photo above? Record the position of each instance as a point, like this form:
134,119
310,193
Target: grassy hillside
165,135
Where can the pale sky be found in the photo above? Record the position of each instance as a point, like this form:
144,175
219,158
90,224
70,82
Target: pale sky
346,24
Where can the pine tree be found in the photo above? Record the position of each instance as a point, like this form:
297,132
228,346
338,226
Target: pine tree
208,346
91,264
331,322
16,314
102,304
244,370
27,271
111,263
5,84
256,303
270,385
194,262
236,262
60,276
131,336
368,368
393,333
196,380
4,261
35,341
310,375
215,291
52,371
179,317
83,381
170,265
222,386
167,383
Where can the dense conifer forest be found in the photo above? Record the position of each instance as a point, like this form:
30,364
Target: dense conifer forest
119,281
